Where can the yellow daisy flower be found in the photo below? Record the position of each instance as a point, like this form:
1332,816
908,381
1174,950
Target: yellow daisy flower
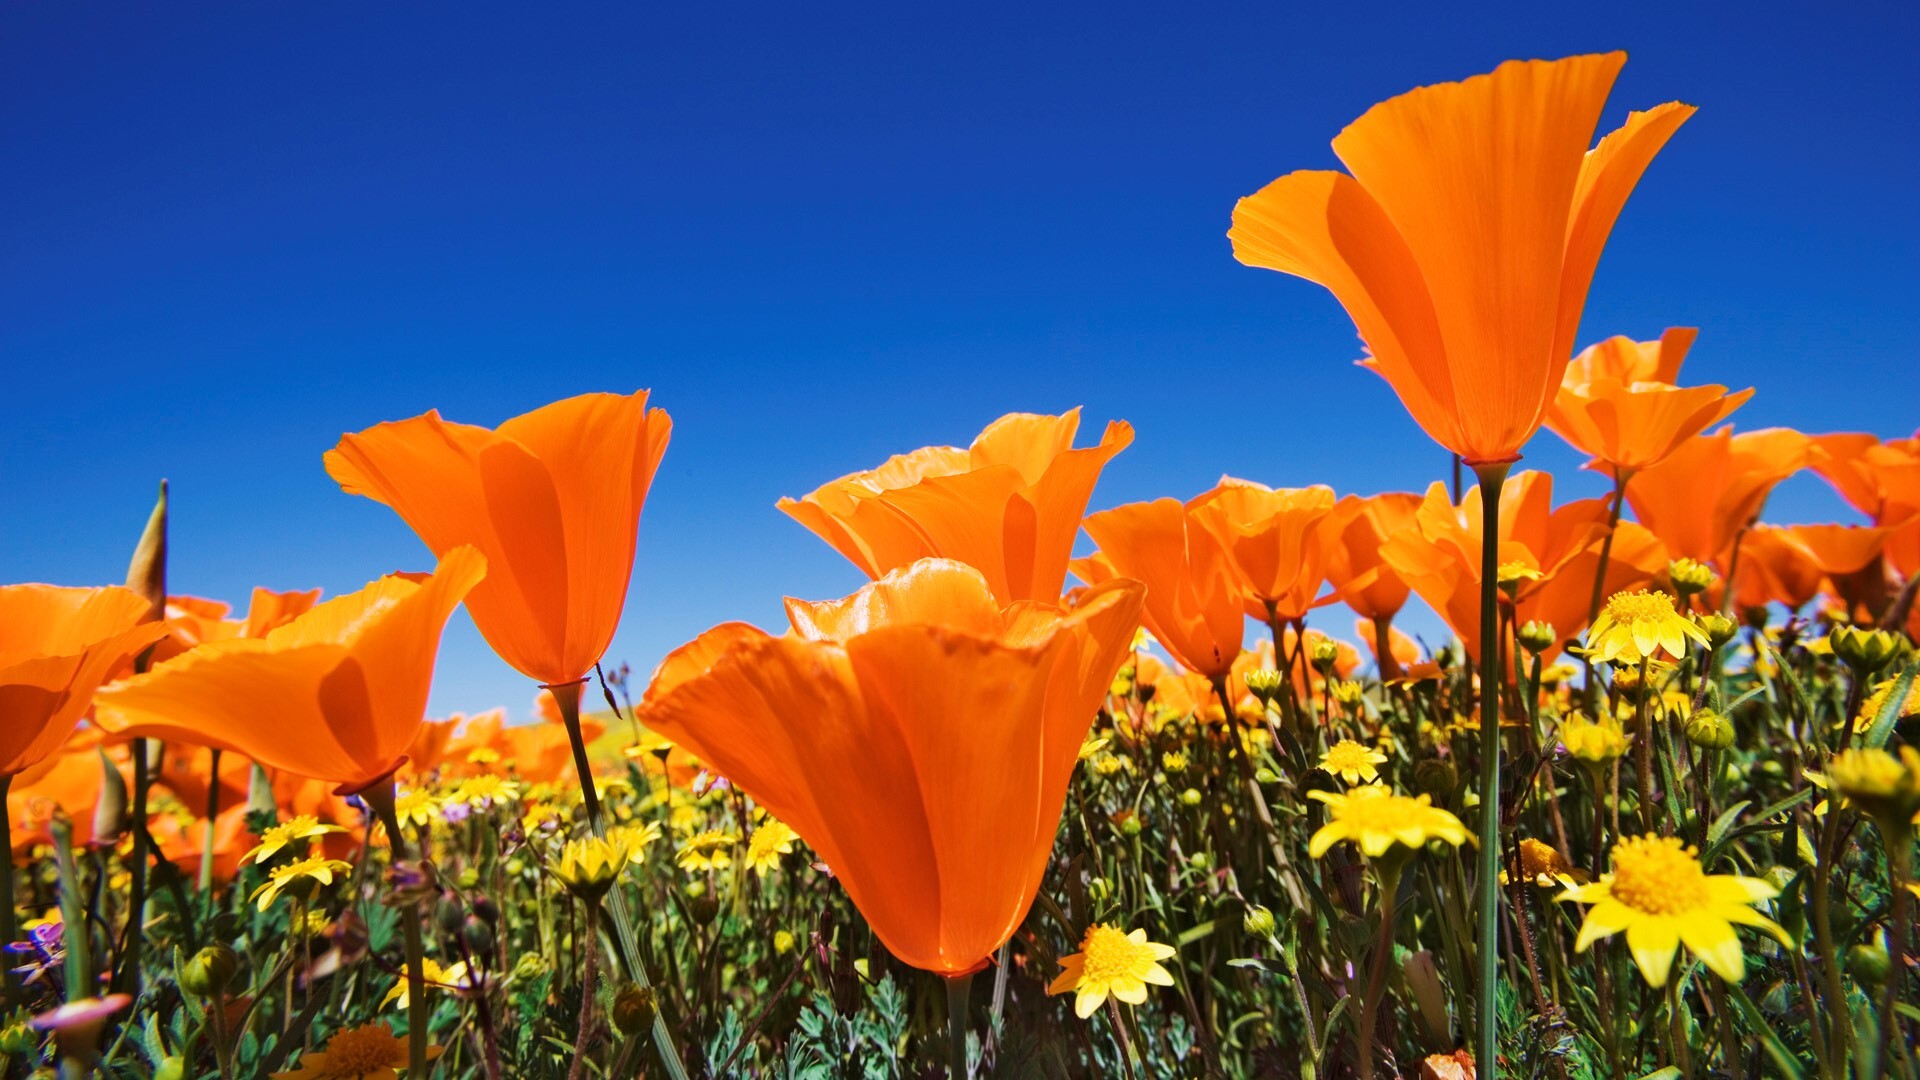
1542,864
1663,898
589,867
770,841
453,977
1111,962
706,851
296,875
1885,786
1876,701
636,839
1353,762
1375,819
485,790
1641,625
416,807
368,1052
1596,741
291,831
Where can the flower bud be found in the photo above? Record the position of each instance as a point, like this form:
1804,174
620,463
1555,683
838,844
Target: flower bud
1258,921
633,1009
1325,655
486,909
1266,776
1130,824
530,966
1869,963
782,942
1436,777
448,915
1199,860
209,972
1190,797
1709,730
110,810
1689,576
704,908
1718,628
1536,636
1263,683
1864,650
171,1068
1173,761
478,935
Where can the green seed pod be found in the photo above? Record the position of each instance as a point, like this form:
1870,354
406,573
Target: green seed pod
1258,921
1536,636
1869,963
633,1009
1709,730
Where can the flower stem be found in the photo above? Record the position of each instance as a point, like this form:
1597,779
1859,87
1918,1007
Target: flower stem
589,968
959,990
1388,871
380,798
1492,478
9,922
1600,572
1899,859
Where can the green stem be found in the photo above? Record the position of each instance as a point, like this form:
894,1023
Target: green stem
1388,871
206,846
135,935
380,798
1492,478
73,913
959,991
1600,572
1899,855
9,919
567,697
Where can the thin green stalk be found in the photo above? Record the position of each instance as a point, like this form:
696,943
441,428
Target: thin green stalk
380,798
959,991
1388,871
73,913
1600,570
9,920
1492,478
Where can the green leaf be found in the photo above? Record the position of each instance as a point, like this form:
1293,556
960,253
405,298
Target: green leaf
1882,728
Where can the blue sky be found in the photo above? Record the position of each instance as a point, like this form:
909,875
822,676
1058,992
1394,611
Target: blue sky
822,234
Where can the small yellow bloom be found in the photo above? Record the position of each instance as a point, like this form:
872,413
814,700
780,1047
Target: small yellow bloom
1093,746
1375,819
636,839
481,792
1876,701
1111,962
782,942
770,841
540,817
1663,898
453,977
1641,625
295,876
291,831
1353,762
706,851
589,867
483,755
1597,741
368,1052
1107,764
1174,761
1542,864
416,807
1885,786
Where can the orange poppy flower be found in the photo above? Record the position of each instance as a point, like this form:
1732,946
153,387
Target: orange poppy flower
1548,556
194,620
1464,240
1278,541
182,840
1882,481
1626,425
57,646
886,721
1850,557
1405,652
1194,596
346,683
69,781
1712,487
1774,570
1362,579
1307,680
1631,361
186,770
534,752
1010,505
552,499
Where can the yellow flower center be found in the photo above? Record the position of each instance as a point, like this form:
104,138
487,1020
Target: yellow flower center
1642,606
1658,875
364,1050
287,832
1110,954
1373,808
1347,756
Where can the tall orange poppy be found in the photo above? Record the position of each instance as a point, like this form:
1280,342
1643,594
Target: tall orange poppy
56,647
1009,505
1850,556
195,620
1279,542
346,683
1627,424
1775,570
1713,486
1194,597
1882,481
883,724
551,498
1464,240
1548,556
1361,577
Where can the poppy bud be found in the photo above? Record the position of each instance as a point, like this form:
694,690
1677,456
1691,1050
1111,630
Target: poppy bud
209,972
1263,683
1689,576
1190,797
1536,636
147,572
478,935
1709,730
110,812
633,1009
1718,628
1258,921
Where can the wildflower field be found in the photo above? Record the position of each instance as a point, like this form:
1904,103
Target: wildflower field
1064,791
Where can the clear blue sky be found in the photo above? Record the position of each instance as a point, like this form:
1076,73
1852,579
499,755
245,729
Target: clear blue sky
823,234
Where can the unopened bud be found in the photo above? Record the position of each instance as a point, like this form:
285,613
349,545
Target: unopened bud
1864,650
1258,921
110,811
704,908
1190,797
1869,963
1536,636
209,972
477,934
1689,576
1709,730
1718,628
1263,683
1435,777
1325,655
633,1009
